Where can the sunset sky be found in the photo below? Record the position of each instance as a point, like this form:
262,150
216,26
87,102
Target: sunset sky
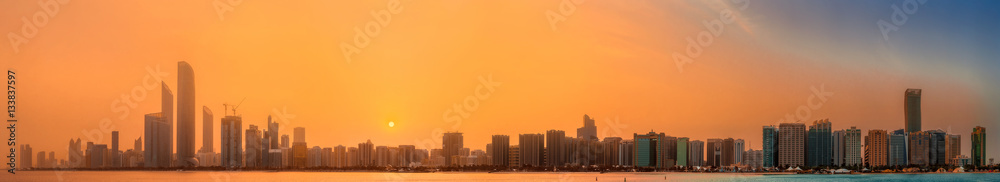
612,60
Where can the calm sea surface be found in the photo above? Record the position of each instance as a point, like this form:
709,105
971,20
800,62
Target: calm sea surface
362,176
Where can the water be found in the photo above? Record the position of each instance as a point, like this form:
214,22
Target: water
171,176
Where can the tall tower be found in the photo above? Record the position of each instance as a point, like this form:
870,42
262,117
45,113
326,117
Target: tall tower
911,109
272,128
979,146
185,115
451,144
589,130
164,138
206,129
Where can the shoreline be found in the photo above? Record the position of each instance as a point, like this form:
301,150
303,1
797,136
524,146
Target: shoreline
488,172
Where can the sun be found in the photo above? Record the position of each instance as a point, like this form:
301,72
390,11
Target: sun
391,124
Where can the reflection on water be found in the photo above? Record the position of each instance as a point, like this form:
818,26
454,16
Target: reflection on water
171,176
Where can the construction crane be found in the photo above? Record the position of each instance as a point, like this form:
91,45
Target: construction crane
226,106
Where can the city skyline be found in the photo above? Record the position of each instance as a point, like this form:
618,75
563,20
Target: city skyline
524,80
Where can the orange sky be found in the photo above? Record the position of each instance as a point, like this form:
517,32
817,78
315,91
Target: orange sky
608,59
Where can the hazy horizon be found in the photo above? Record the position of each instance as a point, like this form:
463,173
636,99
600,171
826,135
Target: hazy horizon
611,60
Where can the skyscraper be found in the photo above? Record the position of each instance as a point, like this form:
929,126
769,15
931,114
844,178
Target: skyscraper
839,147
206,130
185,115
714,152
612,151
669,154
911,109
648,150
231,142
589,130
115,159
898,148
556,155
696,153
157,132
938,147
791,144
738,152
876,148
682,152
501,150
978,146
252,154
852,147
364,154
819,146
728,152
770,146
954,148
451,144
532,151
272,128
920,146
299,148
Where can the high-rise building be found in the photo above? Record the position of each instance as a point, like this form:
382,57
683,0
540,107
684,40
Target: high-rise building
852,147
364,154
285,141
612,151
920,146
839,147
185,115
898,148
911,109
407,154
938,147
500,150
532,151
157,132
340,156
728,152
514,156
791,144
669,146
876,148
115,158
819,147
300,135
589,129
165,135
627,151
231,142
714,152
75,153
381,156
253,149
682,152
555,154
753,158
300,151
206,130
738,152
954,148
97,157
452,142
770,146
696,153
272,129
978,146
648,150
